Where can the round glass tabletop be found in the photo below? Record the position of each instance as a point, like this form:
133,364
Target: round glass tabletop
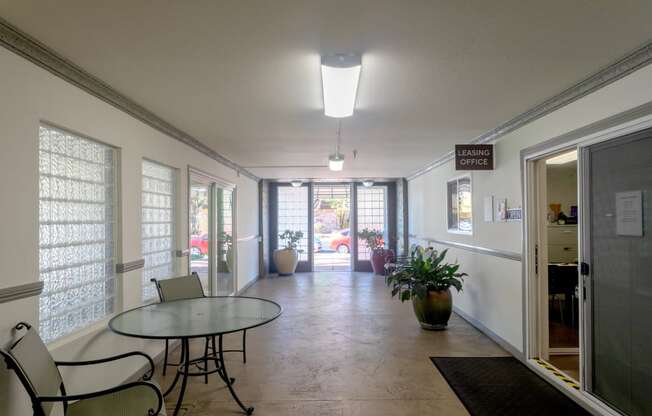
192,318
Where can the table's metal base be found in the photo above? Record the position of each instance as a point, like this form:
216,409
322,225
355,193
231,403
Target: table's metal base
183,372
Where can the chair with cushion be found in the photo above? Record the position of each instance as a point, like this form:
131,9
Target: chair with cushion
39,374
189,287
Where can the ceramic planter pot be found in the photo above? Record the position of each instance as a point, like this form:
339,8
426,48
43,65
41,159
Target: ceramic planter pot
286,261
434,311
379,258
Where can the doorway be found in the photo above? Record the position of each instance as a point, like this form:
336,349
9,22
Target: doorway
211,208
587,266
558,256
331,243
332,227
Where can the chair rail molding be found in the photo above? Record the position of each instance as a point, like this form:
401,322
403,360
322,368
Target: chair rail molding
631,62
27,290
505,254
40,54
129,266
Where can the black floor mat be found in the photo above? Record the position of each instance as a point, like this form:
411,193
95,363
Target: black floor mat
503,386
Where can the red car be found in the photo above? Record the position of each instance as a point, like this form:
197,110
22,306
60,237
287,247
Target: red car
341,242
199,245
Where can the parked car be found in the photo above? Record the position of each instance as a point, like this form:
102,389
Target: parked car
199,245
341,241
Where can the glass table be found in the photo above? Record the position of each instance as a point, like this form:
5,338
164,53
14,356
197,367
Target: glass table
208,317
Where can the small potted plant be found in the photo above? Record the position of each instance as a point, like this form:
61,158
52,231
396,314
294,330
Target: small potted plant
426,280
287,258
379,255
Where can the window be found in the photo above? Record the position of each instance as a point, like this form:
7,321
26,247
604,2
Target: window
293,215
460,219
76,238
157,224
372,214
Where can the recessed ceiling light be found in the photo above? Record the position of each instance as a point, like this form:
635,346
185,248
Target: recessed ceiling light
340,75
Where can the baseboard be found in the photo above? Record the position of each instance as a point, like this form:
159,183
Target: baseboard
491,334
248,285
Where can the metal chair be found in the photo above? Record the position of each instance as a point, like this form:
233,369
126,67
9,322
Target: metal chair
189,287
39,374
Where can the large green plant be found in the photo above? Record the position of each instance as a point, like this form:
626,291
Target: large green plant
426,272
291,238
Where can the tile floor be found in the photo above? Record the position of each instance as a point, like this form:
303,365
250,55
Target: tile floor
342,347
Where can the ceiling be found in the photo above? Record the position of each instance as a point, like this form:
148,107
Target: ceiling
243,76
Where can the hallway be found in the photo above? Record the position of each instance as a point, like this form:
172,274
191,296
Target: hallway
342,347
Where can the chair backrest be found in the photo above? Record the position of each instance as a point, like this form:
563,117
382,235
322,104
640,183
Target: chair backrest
32,362
185,287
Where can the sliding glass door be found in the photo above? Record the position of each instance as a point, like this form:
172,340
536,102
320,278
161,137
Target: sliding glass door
617,265
211,222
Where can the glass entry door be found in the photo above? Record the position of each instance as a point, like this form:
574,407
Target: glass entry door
332,232
375,210
617,271
211,221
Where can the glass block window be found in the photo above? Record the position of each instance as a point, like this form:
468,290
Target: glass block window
372,214
76,238
157,225
459,202
293,215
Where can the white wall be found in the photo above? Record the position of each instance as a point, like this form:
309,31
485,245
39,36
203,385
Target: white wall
562,185
493,292
30,94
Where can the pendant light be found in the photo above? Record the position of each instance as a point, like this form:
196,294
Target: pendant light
336,160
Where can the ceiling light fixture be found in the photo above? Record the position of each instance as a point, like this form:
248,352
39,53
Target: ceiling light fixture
340,74
336,160
563,158
367,183
296,183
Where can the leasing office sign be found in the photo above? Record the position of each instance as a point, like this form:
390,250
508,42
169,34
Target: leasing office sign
474,157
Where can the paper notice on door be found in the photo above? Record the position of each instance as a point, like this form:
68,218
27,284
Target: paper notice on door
629,213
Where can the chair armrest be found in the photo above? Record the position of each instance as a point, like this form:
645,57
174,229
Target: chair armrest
147,376
108,392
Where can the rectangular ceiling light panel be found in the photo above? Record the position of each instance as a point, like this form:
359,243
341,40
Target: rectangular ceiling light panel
340,76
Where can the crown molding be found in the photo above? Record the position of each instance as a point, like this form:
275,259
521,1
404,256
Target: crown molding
31,49
621,68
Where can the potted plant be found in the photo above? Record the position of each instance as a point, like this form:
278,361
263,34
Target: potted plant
287,258
426,279
379,255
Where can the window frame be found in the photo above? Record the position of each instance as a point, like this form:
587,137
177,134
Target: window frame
456,180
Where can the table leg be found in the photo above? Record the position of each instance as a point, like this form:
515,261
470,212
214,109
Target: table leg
227,380
184,378
177,375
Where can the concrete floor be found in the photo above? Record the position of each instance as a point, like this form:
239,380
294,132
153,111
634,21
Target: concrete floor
342,347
